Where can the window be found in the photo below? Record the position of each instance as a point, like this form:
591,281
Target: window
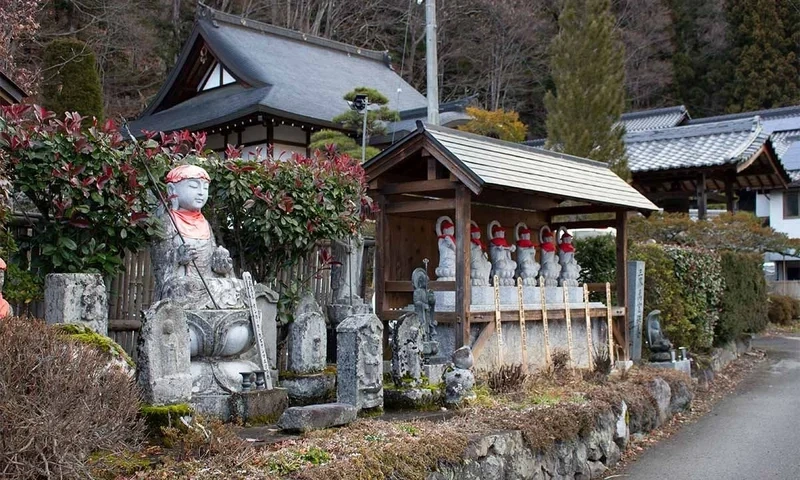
217,76
791,204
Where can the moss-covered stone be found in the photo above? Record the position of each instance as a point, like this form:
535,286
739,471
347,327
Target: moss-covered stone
88,336
106,465
158,416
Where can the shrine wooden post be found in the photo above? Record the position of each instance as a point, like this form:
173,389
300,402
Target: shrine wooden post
463,283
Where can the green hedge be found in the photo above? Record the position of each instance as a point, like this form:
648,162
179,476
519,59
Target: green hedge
782,309
744,302
705,297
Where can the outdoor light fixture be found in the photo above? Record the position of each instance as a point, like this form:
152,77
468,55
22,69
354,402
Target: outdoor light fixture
359,103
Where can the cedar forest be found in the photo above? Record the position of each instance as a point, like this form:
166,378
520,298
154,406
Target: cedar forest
711,56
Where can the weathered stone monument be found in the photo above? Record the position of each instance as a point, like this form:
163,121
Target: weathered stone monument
570,270
346,278
407,351
359,360
5,308
527,266
635,307
77,298
460,380
164,368
661,353
550,267
305,380
445,230
503,267
195,276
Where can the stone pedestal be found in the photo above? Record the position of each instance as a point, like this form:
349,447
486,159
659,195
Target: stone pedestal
680,365
77,298
257,406
317,417
359,376
434,372
411,398
310,389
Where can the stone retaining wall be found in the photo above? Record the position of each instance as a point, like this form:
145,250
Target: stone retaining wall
506,455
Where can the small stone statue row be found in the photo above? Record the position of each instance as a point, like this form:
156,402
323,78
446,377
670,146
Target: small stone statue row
561,271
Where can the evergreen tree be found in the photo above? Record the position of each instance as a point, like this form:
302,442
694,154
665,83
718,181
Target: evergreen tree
73,84
353,120
587,65
764,37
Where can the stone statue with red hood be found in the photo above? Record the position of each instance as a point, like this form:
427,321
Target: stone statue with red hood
500,252
550,267
570,270
527,267
445,231
480,267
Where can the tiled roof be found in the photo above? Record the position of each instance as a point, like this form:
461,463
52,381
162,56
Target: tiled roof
278,71
655,119
511,165
694,146
766,115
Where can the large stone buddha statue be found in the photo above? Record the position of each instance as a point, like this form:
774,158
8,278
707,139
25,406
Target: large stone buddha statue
188,254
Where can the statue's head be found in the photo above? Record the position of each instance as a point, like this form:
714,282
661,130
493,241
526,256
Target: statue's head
448,228
566,238
475,232
498,231
419,278
187,187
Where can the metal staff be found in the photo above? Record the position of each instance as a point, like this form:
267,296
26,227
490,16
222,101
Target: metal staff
166,209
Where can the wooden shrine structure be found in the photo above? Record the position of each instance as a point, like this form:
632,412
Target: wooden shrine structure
438,171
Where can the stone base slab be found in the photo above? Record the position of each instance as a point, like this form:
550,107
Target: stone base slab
411,398
680,365
317,417
434,372
256,406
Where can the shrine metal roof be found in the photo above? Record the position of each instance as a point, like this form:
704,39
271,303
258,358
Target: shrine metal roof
692,146
496,163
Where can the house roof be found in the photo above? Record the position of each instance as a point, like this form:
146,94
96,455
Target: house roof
278,71
10,92
691,146
655,119
495,163
766,115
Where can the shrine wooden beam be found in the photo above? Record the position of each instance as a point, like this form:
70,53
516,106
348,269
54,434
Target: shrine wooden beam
621,331
381,261
516,200
463,282
583,209
610,222
702,199
398,156
420,186
536,315
421,206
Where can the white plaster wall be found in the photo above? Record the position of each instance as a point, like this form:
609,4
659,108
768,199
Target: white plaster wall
790,226
762,205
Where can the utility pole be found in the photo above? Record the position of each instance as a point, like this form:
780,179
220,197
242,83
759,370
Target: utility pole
432,62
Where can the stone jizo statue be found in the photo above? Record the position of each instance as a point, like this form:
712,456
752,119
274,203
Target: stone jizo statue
480,267
550,266
5,307
500,252
445,231
527,267
659,344
570,270
189,251
425,306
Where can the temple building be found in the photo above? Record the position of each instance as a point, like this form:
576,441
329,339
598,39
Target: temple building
252,84
10,92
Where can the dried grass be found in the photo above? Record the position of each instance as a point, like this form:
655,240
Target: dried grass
60,401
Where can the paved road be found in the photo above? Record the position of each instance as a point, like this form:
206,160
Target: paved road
751,435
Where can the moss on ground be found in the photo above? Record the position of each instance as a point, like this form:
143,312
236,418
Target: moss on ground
88,336
162,416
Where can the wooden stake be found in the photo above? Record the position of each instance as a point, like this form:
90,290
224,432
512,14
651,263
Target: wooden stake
589,347
522,326
568,318
610,320
497,321
546,330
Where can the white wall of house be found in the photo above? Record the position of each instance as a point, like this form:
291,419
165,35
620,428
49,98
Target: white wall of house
287,139
781,218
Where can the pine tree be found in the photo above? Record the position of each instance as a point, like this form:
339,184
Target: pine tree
764,51
73,85
499,123
587,65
